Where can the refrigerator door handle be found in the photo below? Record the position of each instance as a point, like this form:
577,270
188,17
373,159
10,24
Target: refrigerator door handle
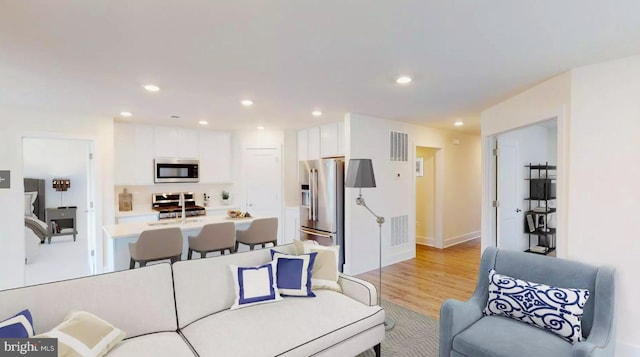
316,233
315,201
312,194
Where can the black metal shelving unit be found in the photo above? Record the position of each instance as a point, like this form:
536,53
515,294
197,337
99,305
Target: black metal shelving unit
541,192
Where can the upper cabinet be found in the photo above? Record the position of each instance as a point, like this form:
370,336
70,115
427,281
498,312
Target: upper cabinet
215,156
175,142
318,142
133,154
136,145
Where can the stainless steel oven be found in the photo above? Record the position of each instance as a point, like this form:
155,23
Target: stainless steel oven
175,170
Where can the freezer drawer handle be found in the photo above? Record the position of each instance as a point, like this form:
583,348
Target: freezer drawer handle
326,235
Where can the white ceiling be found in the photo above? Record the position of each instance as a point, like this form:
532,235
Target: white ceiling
292,56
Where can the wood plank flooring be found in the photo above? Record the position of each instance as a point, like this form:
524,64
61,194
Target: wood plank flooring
424,283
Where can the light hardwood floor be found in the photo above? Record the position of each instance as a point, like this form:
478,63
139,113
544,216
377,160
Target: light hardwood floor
423,283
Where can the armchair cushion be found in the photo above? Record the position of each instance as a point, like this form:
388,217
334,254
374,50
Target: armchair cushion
499,336
558,310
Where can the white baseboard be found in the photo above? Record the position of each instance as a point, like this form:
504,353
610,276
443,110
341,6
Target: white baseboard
449,242
426,241
624,349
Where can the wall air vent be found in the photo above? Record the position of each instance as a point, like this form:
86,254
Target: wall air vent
398,148
399,230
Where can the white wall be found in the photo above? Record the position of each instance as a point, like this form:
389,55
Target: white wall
391,197
290,169
18,123
604,190
599,121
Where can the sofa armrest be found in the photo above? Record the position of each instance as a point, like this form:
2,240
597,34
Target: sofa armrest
358,289
455,317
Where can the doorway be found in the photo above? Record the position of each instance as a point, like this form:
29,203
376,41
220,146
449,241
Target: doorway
263,177
519,153
426,195
64,169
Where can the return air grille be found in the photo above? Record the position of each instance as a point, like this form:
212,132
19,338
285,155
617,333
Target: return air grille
399,230
398,149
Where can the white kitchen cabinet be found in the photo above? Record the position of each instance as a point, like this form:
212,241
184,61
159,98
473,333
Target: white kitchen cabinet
214,153
175,142
313,143
187,144
332,140
151,217
303,144
133,154
291,225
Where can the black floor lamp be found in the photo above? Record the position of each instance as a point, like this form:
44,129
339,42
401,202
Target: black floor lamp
359,175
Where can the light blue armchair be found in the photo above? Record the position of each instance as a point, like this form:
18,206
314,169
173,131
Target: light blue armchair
465,331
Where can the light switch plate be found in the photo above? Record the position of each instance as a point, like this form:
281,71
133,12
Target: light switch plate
5,179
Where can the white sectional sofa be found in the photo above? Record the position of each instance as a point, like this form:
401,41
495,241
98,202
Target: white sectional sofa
183,310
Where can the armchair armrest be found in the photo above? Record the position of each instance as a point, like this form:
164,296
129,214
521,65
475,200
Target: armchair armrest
358,289
455,317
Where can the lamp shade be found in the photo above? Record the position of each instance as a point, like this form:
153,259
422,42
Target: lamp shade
360,174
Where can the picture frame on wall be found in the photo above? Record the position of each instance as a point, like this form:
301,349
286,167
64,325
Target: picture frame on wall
419,166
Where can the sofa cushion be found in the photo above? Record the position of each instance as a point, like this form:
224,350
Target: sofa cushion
84,334
558,310
205,286
162,344
487,338
18,326
138,301
296,327
294,273
254,285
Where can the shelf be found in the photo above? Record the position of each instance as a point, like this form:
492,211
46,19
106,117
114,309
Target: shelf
549,250
541,178
538,232
541,167
539,199
553,210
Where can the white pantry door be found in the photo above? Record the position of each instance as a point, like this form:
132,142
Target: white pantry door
263,178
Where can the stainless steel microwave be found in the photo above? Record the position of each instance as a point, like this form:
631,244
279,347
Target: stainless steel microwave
175,170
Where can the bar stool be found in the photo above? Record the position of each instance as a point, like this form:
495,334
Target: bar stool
260,231
213,237
156,244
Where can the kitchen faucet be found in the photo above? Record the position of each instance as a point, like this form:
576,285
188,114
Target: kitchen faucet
181,203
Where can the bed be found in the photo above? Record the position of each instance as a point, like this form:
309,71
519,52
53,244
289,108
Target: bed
35,204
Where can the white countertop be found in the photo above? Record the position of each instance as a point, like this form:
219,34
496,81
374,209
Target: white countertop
150,211
128,230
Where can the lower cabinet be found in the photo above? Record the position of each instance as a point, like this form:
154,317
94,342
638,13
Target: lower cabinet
137,218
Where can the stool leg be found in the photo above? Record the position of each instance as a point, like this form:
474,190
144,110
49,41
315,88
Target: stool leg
237,246
143,263
203,255
189,254
132,264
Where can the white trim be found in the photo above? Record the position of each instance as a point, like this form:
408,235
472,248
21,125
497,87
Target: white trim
429,241
624,349
450,242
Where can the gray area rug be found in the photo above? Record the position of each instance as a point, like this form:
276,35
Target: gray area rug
414,334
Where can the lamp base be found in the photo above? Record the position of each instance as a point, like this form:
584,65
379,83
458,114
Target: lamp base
389,324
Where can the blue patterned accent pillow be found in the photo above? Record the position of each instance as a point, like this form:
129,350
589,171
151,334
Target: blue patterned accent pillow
18,326
293,273
558,310
254,285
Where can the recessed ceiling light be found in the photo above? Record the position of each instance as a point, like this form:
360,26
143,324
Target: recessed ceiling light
458,123
316,113
403,80
246,102
175,117
260,127
203,122
151,88
126,114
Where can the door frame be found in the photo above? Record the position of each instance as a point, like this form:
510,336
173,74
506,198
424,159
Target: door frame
488,214
93,224
438,218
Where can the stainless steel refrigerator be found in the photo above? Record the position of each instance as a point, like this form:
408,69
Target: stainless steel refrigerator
322,202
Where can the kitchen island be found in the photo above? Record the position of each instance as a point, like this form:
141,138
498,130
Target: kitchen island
118,236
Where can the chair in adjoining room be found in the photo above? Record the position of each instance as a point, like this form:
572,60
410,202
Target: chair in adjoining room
261,232
512,314
156,244
213,237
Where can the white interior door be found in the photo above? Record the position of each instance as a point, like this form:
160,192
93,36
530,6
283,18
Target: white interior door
510,217
263,178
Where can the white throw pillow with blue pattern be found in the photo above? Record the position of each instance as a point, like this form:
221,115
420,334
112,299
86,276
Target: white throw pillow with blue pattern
254,285
558,310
